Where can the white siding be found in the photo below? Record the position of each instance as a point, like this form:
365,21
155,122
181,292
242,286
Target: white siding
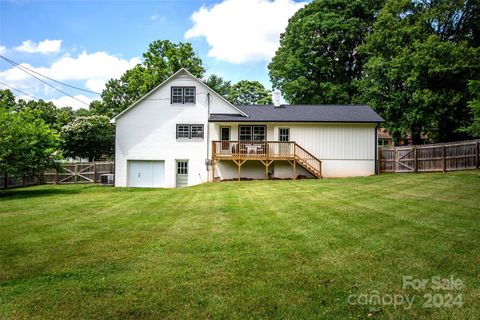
148,132
345,149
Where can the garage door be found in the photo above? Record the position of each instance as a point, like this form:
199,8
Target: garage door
146,174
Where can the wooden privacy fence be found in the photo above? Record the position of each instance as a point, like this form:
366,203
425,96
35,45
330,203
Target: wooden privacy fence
8,181
81,172
461,155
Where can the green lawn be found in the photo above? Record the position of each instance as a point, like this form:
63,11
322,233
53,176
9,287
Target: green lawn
248,250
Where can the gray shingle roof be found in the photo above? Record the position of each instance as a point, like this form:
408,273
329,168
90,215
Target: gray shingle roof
302,113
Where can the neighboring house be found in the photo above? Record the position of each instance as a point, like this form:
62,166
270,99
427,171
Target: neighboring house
386,140
183,133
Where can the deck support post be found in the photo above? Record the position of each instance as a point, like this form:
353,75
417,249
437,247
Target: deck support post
294,170
239,164
266,163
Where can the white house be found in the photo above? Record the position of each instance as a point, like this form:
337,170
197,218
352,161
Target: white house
182,133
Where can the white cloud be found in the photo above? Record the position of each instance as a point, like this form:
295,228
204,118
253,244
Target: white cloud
3,49
67,101
158,17
239,31
44,47
96,85
94,69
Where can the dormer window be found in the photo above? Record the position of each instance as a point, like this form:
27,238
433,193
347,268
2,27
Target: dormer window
183,95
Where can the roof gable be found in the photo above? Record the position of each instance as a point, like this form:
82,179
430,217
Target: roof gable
182,71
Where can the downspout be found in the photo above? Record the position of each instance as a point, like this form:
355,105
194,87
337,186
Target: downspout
376,148
208,133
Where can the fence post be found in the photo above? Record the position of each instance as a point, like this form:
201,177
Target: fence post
395,161
56,176
94,172
477,154
75,174
415,158
5,182
444,158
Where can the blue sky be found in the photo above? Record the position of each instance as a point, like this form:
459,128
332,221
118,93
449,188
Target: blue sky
85,43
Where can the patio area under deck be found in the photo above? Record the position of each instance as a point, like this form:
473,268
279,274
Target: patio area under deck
266,152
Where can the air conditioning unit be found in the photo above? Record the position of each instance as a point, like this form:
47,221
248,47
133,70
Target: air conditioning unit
107,179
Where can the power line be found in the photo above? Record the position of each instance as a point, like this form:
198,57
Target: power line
16,64
13,88
48,84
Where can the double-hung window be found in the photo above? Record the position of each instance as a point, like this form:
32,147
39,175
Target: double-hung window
190,131
252,133
183,95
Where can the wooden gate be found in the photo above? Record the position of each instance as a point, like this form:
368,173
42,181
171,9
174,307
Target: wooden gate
82,172
405,160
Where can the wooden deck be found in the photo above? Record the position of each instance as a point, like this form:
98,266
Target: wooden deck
266,152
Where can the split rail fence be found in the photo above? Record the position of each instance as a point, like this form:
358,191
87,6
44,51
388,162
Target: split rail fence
461,155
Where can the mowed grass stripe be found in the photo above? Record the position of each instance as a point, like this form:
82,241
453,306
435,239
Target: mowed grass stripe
276,249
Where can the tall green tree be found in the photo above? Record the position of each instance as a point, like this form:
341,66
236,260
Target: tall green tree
7,99
474,105
89,137
318,58
247,92
162,59
219,85
28,144
47,111
421,56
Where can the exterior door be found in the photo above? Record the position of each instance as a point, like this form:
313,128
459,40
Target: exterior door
225,136
182,173
284,136
146,173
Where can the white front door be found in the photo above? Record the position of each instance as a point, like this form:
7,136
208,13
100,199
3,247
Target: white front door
146,174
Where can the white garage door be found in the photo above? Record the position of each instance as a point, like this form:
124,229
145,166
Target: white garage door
146,174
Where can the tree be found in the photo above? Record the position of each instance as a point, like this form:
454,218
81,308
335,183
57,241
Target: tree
28,144
474,105
45,110
88,137
162,59
219,85
7,99
420,59
249,93
318,58
64,116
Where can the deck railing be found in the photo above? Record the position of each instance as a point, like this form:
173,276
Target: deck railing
266,151
254,149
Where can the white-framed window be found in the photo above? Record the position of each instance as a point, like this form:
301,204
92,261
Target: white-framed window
252,133
283,134
183,95
190,131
